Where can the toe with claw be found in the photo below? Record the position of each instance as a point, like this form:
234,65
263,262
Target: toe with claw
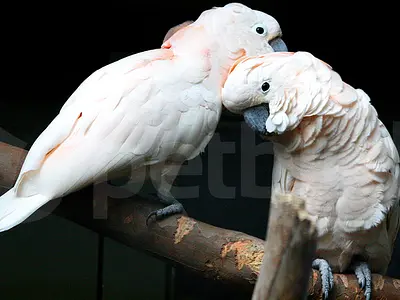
167,211
172,207
326,275
363,274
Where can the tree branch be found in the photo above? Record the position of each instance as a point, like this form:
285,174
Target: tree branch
289,250
226,255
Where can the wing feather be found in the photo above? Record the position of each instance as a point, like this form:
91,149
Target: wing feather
393,216
119,116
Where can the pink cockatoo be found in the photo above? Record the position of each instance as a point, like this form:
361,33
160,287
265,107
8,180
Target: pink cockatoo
331,149
157,108
175,29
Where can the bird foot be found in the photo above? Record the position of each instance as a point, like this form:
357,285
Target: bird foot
167,211
173,207
363,274
326,275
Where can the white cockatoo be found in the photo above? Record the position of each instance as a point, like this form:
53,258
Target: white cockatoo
331,149
175,29
156,108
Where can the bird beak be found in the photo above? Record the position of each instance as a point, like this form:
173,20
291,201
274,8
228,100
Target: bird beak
278,45
256,116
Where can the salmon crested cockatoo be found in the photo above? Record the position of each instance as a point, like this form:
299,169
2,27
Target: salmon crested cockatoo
157,108
331,149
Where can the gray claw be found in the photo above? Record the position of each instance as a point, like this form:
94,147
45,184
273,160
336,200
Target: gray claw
363,274
166,212
326,275
361,281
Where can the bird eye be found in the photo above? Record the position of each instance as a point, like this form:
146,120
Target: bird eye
265,87
260,29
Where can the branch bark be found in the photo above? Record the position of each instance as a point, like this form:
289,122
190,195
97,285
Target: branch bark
289,250
225,255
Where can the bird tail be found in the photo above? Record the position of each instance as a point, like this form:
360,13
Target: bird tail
14,210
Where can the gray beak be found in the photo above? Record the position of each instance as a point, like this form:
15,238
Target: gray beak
278,45
255,117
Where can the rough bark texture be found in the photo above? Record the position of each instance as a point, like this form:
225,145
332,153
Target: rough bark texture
289,250
229,256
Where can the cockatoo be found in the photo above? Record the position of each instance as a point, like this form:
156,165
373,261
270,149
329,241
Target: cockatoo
176,28
331,149
156,108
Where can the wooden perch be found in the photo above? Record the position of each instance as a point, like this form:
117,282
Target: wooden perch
289,250
220,254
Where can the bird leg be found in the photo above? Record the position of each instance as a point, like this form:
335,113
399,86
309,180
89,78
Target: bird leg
163,181
326,275
172,207
363,274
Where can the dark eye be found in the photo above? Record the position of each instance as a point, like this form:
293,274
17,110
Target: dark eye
265,86
260,30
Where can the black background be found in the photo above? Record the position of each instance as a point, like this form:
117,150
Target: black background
70,41
48,50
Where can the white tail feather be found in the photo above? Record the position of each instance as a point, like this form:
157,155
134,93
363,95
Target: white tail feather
14,210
